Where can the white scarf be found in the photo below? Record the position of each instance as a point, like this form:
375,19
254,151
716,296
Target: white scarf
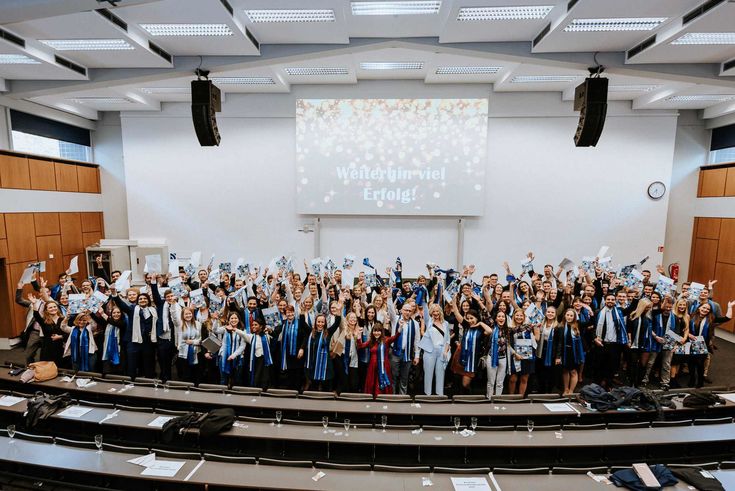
168,310
147,312
606,318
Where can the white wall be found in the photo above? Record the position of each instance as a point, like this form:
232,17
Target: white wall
108,154
692,150
543,193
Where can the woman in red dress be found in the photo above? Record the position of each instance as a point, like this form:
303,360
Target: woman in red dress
377,380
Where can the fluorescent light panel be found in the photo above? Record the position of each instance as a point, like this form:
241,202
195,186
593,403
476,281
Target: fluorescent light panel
633,88
467,70
165,90
706,38
14,59
87,44
408,7
102,100
290,15
392,65
526,79
701,98
616,24
187,29
243,80
317,71
529,12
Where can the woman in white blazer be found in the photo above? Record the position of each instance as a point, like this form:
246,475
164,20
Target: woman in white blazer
435,343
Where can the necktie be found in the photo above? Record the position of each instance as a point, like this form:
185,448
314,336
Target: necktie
170,319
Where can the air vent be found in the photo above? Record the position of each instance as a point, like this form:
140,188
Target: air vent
113,18
160,51
571,4
728,65
12,38
70,65
227,7
542,34
252,38
644,45
702,9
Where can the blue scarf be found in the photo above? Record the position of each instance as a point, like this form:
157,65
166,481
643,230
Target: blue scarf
113,352
619,319
494,347
577,348
228,365
584,315
697,304
364,354
469,345
80,348
346,355
548,348
383,379
247,320
694,328
288,342
266,355
321,356
404,355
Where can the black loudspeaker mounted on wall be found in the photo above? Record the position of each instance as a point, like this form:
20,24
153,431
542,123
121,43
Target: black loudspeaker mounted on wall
205,102
590,99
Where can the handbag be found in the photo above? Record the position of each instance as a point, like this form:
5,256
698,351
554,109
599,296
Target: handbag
44,370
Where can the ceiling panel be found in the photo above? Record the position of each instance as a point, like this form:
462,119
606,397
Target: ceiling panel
192,12
497,31
47,69
393,55
446,61
563,41
397,26
506,83
719,19
95,27
331,62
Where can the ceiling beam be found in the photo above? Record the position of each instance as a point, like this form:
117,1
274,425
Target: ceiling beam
22,10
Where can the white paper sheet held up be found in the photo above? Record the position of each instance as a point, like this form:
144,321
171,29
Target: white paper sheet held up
7,401
153,263
74,412
160,421
74,265
470,483
163,468
27,275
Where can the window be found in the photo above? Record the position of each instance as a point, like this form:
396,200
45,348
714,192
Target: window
722,147
39,145
41,136
722,155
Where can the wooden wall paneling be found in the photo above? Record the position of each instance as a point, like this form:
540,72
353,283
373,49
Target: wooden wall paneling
51,246
708,228
704,256
90,238
47,224
6,301
3,234
730,182
724,290
712,183
71,233
91,221
66,177
726,249
88,178
19,312
21,237
14,172
82,274
4,248
43,174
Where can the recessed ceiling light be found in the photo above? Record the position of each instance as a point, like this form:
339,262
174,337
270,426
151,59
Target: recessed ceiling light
617,24
528,12
467,70
166,90
525,79
291,15
187,29
701,98
87,44
392,65
633,88
408,7
8,59
706,38
243,80
317,71
102,100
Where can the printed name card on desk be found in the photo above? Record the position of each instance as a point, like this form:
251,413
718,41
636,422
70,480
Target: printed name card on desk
470,483
160,421
163,468
561,407
74,412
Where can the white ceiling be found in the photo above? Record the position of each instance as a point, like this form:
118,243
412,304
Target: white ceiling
265,49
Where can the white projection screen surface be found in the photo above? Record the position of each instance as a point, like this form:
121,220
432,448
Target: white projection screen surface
391,156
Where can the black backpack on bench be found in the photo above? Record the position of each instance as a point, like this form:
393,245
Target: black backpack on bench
42,405
209,424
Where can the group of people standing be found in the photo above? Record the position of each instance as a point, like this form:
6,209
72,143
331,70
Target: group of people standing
447,330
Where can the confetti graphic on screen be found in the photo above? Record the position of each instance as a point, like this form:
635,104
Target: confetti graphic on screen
391,156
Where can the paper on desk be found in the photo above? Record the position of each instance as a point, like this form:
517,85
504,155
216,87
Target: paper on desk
466,432
144,460
110,416
318,476
160,421
83,383
730,397
559,407
74,412
470,483
7,401
163,468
